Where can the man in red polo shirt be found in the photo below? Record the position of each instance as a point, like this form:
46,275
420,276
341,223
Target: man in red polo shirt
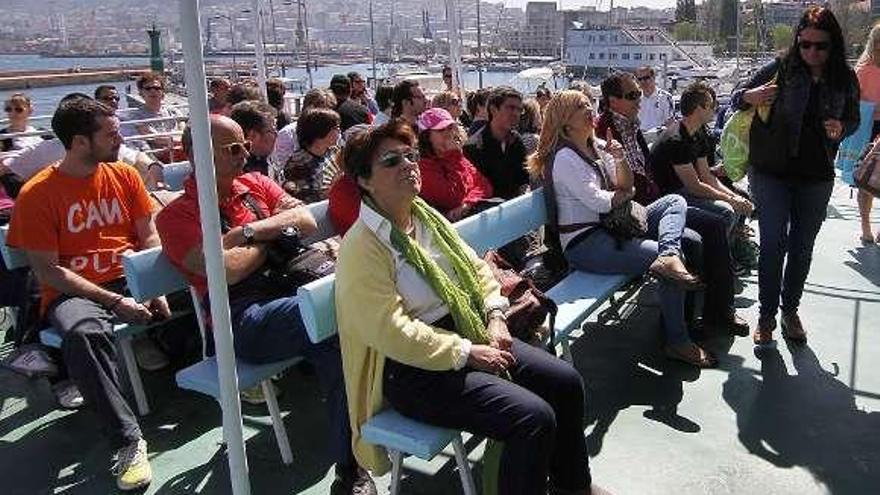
266,324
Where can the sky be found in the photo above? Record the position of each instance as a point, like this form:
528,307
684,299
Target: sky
573,4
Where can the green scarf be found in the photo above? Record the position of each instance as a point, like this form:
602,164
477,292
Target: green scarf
464,300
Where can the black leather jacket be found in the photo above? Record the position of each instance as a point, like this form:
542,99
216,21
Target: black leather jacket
841,103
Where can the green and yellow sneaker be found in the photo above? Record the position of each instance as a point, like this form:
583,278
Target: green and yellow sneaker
132,466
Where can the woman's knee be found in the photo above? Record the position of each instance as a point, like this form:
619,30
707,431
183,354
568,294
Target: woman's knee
675,203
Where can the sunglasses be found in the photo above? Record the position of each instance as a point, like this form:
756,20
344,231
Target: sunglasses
236,148
820,46
111,98
392,159
645,78
633,95
154,88
15,109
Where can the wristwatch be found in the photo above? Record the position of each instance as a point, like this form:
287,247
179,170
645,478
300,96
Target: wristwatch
247,230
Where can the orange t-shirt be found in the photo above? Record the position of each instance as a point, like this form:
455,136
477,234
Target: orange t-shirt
88,221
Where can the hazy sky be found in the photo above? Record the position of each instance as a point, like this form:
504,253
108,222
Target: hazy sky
573,4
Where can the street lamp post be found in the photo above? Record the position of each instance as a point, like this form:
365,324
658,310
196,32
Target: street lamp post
274,33
479,47
231,20
373,45
303,21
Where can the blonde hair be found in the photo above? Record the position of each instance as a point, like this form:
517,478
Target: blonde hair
444,100
867,56
559,110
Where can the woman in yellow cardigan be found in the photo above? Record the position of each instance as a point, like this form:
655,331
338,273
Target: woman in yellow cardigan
422,329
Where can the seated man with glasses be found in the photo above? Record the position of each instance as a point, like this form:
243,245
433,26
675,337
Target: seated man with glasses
266,321
151,88
680,160
657,109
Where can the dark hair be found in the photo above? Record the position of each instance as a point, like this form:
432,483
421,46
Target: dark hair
318,98
446,69
341,86
216,83
383,96
499,95
402,92
613,86
360,150
275,93
243,91
645,67
253,115
150,77
530,119
821,18
315,124
104,87
543,91
354,75
78,117
73,96
477,99
696,94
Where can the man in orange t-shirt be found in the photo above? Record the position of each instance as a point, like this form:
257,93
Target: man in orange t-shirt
74,220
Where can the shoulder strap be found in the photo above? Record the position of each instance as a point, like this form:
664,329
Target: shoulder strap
250,203
590,162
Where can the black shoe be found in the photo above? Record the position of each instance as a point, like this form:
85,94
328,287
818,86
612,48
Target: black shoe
357,482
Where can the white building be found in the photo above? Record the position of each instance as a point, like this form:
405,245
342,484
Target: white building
629,48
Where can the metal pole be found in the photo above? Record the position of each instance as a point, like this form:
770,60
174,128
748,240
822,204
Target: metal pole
454,45
479,48
274,32
232,40
209,216
373,46
305,21
259,48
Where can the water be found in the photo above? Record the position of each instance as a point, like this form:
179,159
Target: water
46,99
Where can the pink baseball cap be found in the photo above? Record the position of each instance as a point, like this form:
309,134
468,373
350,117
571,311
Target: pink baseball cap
435,119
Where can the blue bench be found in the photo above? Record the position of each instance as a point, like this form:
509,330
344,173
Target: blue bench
578,296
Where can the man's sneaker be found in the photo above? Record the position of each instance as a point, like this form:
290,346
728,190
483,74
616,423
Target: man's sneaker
67,395
254,395
357,482
148,355
132,468
31,360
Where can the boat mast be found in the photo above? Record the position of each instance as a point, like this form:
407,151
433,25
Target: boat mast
373,46
479,47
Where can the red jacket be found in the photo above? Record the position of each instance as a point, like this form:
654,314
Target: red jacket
450,180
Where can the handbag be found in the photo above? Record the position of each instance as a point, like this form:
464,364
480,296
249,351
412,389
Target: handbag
867,173
289,263
529,306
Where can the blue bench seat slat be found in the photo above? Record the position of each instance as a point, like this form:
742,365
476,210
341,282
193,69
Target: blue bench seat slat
579,294
394,431
502,224
202,376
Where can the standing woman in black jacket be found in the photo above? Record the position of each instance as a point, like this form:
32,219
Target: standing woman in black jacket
815,104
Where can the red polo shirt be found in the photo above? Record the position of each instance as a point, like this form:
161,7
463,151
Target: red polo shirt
181,231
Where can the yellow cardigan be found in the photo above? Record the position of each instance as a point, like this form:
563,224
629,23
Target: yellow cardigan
373,324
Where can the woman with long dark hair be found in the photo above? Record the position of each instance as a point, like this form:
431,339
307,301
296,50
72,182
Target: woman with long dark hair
815,104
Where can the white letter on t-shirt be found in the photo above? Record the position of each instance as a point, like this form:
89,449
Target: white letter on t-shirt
94,216
71,213
113,214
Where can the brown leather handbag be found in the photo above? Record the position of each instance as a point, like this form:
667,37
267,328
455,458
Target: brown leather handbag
529,307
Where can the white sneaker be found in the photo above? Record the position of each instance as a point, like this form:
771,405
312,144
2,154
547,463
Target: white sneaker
148,355
67,395
255,396
132,468
31,360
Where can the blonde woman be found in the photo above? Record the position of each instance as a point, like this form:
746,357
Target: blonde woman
868,72
588,182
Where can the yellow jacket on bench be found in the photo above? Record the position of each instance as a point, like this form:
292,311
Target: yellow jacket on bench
371,315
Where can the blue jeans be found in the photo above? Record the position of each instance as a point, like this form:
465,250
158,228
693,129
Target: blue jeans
716,206
599,253
790,215
268,331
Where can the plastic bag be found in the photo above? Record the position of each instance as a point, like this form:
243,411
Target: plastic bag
735,143
853,147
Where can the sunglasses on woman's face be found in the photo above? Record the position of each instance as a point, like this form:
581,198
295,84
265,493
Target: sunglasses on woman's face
820,46
392,159
153,88
236,148
15,109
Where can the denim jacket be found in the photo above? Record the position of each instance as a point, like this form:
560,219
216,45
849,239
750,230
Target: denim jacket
841,103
